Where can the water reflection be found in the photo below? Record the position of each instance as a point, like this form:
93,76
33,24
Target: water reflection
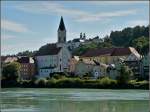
73,100
97,106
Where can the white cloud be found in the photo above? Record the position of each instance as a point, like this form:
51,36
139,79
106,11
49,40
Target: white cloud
116,2
106,15
78,15
13,26
138,22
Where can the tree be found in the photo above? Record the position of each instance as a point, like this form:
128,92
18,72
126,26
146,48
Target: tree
11,71
125,37
141,44
125,74
26,53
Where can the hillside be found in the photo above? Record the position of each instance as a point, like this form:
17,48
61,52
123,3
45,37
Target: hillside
137,37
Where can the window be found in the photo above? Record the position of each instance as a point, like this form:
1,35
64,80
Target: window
60,67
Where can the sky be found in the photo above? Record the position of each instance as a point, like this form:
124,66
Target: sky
27,25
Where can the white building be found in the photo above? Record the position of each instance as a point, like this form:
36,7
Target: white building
57,58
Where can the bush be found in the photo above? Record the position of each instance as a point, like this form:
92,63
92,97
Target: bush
125,74
41,82
58,76
27,83
51,82
107,81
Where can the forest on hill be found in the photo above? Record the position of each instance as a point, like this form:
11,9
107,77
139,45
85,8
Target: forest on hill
137,37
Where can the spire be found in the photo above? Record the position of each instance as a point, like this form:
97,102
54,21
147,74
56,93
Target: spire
61,25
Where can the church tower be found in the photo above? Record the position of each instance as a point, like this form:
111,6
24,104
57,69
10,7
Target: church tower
61,32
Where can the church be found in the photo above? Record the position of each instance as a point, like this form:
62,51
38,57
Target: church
57,58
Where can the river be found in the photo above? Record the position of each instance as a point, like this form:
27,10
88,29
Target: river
73,100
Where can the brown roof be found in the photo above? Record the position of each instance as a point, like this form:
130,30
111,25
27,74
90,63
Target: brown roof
49,49
24,60
3,58
108,52
98,52
121,52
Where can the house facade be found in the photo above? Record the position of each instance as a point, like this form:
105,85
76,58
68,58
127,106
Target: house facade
93,68
145,66
72,64
27,69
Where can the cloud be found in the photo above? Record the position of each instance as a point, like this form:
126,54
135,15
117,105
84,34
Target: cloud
107,15
13,26
138,22
116,2
76,14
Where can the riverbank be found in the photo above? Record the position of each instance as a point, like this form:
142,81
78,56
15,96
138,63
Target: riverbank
104,83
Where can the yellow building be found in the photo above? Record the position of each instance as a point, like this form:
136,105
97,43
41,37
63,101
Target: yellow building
90,67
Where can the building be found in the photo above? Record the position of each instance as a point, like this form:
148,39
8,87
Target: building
111,55
145,67
27,69
90,67
57,58
72,64
75,43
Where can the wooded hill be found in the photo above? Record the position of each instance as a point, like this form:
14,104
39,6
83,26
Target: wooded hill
137,37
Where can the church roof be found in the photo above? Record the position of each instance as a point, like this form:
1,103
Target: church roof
61,25
49,49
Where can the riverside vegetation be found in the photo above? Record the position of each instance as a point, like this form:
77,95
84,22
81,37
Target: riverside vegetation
10,78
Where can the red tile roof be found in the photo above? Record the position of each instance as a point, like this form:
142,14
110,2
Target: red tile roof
108,52
98,52
121,52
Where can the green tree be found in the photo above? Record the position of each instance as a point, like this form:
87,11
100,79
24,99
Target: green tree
125,73
141,44
11,71
26,53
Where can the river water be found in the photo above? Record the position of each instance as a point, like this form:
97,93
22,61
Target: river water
73,100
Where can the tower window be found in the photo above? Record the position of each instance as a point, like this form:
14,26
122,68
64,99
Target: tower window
60,67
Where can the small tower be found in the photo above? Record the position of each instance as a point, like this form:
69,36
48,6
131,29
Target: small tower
61,32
